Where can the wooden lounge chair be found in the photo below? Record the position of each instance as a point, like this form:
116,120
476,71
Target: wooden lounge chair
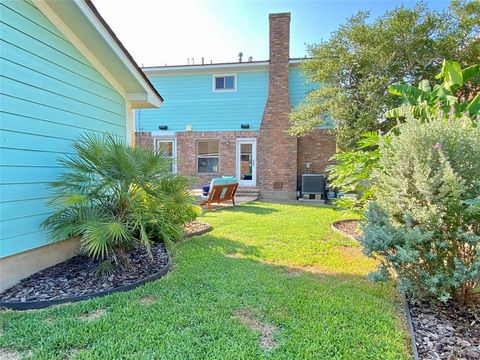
221,190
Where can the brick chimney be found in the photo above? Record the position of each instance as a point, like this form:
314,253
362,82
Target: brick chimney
277,150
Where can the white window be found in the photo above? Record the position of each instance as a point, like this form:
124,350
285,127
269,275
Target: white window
167,148
225,82
208,156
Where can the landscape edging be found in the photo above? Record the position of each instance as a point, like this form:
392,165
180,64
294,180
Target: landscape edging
410,327
31,305
334,228
201,232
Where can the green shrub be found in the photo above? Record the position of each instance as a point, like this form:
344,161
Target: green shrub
353,172
113,196
421,225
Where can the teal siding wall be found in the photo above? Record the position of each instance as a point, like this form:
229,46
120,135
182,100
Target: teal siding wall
299,86
50,94
189,99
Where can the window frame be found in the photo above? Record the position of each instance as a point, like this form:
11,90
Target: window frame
214,80
207,157
158,139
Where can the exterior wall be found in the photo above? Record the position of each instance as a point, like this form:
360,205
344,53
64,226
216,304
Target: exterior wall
298,86
190,100
277,150
316,148
16,267
50,95
187,151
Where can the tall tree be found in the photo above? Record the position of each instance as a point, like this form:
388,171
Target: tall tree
356,66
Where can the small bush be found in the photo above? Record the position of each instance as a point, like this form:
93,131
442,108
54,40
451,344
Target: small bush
421,225
113,196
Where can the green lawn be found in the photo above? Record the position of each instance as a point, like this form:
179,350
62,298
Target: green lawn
270,281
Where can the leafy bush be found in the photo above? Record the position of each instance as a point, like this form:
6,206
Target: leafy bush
353,173
420,225
113,196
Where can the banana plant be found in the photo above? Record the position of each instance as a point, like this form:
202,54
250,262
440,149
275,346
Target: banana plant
424,102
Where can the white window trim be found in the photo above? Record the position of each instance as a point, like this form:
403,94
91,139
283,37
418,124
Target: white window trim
207,156
224,90
172,139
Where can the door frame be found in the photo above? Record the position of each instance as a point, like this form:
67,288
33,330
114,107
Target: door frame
252,141
171,139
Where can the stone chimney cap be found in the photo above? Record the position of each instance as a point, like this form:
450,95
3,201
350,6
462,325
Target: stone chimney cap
279,15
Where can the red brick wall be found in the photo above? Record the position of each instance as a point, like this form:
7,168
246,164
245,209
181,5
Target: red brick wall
144,139
187,153
316,148
277,150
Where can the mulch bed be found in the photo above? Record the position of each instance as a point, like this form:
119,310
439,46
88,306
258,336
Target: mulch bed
350,228
446,331
77,276
196,228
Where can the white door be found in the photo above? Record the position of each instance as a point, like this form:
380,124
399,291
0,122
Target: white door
247,162
167,147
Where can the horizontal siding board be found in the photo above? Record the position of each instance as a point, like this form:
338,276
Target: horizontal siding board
56,86
14,36
22,8
23,57
16,192
15,122
10,228
16,157
41,35
26,174
23,242
50,95
32,141
23,209
46,113
81,107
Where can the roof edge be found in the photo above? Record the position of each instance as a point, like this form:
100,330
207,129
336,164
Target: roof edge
117,41
217,65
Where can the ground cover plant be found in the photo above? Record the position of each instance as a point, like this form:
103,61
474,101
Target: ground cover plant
114,196
270,281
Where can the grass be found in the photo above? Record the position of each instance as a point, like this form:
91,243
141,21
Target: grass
267,274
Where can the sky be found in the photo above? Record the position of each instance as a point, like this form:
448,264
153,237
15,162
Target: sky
160,32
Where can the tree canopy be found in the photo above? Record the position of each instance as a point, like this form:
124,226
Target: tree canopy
359,62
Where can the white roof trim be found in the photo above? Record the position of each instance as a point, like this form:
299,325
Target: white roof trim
191,68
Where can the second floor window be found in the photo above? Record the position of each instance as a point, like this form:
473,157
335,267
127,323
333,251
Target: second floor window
224,82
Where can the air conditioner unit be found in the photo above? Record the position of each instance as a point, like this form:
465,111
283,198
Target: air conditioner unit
313,184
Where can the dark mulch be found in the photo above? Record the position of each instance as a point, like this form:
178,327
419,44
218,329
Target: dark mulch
196,227
349,227
77,276
446,331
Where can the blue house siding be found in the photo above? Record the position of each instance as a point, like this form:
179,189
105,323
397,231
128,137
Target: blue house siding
50,94
190,100
299,86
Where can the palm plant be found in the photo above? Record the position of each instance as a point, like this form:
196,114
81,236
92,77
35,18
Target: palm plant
113,196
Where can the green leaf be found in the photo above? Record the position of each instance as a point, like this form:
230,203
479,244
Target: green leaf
473,107
451,74
470,72
408,92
